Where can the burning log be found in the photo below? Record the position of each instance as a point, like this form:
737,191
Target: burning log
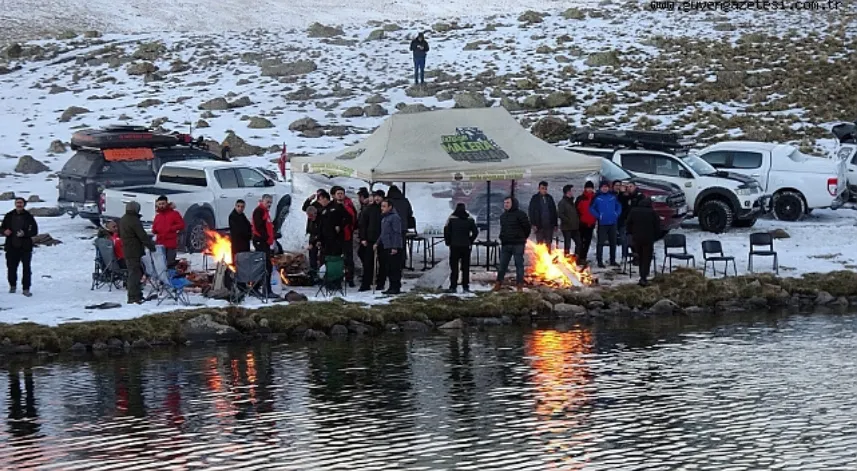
554,268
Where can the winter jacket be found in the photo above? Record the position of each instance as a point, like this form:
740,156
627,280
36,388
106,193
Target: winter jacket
118,251
403,208
536,211
460,230
134,238
240,232
351,225
262,227
391,231
514,225
331,226
23,221
419,48
628,201
307,203
369,226
643,222
606,209
166,227
584,203
567,213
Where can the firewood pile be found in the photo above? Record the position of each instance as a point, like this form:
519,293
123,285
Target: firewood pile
291,263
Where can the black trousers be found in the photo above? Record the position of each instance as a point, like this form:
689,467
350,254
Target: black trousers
544,235
582,252
569,236
348,252
15,257
645,252
393,268
459,260
607,235
135,274
367,258
263,247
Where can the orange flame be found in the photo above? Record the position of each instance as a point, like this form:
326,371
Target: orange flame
219,247
283,276
554,268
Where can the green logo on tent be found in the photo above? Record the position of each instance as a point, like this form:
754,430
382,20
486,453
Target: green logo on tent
472,145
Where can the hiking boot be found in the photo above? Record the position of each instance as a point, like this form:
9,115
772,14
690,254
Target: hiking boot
139,301
450,291
497,286
351,284
12,290
27,293
643,282
391,291
601,265
614,264
465,289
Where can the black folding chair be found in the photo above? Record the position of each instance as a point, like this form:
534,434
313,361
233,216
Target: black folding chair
714,247
107,270
676,241
251,277
762,239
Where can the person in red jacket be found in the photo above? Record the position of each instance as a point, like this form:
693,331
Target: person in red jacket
166,227
587,222
113,229
263,231
350,226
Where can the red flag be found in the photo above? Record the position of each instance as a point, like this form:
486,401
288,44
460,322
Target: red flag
284,157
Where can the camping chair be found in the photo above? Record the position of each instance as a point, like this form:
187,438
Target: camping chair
762,239
714,247
629,262
251,277
107,270
333,280
163,282
676,241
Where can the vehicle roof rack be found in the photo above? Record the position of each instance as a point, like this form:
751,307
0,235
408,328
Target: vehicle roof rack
846,133
128,136
670,142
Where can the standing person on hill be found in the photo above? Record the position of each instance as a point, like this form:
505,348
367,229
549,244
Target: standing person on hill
347,231
644,225
405,212
514,232
587,222
369,229
240,230
420,47
166,227
263,231
606,209
628,199
19,227
569,221
542,214
134,240
392,246
459,233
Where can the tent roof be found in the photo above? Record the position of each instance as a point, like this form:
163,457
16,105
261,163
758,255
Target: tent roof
449,145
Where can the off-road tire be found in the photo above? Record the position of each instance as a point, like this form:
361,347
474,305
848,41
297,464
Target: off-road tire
195,231
788,206
715,216
745,222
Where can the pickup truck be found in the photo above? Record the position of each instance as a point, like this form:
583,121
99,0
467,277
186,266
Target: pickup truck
204,192
846,152
798,182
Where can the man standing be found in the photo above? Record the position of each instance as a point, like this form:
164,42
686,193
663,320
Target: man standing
569,221
644,225
419,46
347,232
369,229
459,233
391,244
587,222
331,226
19,227
543,215
314,243
514,231
628,199
263,231
405,212
166,227
240,230
134,239
606,209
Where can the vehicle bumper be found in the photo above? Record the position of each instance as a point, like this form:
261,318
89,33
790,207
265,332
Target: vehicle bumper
842,200
84,210
754,208
671,218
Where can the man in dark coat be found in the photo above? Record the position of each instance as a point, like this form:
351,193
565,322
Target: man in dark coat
331,226
644,226
405,212
391,246
314,234
514,232
569,221
459,233
543,215
338,194
19,227
628,199
134,240
419,46
369,231
240,229
312,201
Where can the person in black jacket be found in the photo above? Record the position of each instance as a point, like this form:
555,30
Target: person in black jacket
514,231
459,233
331,226
628,199
420,47
240,230
19,227
312,201
543,215
405,211
369,230
644,226
314,244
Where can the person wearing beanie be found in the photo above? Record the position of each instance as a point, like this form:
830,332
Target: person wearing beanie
459,233
134,240
587,222
569,220
606,208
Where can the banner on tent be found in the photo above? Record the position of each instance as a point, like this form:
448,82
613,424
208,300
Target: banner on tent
470,144
331,170
516,174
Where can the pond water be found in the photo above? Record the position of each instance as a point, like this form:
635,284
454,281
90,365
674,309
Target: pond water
765,392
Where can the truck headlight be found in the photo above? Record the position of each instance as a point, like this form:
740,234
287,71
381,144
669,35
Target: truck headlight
659,199
745,191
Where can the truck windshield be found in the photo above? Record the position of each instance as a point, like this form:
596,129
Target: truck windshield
613,172
699,166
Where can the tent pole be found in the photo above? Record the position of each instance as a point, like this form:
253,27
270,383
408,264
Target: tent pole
488,229
513,189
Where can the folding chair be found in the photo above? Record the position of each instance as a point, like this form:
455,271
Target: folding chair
107,270
714,247
251,277
333,280
676,241
163,282
762,239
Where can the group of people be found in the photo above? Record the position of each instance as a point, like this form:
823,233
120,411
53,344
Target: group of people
618,214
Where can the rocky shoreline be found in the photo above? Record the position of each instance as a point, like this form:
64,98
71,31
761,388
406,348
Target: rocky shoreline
682,293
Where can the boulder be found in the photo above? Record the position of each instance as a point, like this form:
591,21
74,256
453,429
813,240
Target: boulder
78,347
573,14
602,59
149,51
34,199
375,110
553,298
510,104
238,147
57,147
216,104
441,27
258,122
572,310
375,35
359,328
534,102
665,307
140,344
375,99
779,234
54,90
202,124
318,30
29,166
71,112
300,67
451,325
544,49
13,51
246,324
531,16
7,196
241,102
420,91
413,108
203,328
353,112
338,330
414,326
526,84
313,335
445,95
551,129
294,297
303,124
824,298
471,100
141,68
149,102
559,100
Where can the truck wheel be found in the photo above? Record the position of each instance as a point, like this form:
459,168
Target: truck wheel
195,239
745,222
715,216
788,206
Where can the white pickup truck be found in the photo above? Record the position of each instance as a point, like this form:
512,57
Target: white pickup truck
204,193
797,182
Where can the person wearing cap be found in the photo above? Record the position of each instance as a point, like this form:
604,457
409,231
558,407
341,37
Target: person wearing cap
459,233
369,231
606,209
134,240
569,221
587,222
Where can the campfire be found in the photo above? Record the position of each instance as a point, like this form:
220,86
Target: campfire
220,248
554,268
